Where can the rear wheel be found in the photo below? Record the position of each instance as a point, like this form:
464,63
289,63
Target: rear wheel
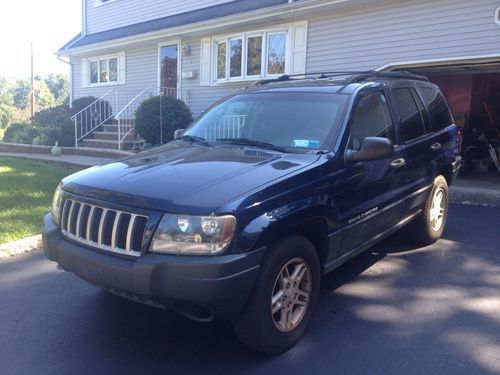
428,227
283,298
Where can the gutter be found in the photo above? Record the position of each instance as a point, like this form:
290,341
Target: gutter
285,9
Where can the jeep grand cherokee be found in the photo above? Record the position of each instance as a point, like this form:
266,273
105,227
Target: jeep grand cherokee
240,216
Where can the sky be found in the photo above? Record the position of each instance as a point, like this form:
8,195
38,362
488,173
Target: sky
49,24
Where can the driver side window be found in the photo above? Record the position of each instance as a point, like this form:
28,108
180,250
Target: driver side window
372,118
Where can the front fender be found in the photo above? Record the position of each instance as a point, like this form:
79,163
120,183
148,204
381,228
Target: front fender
273,224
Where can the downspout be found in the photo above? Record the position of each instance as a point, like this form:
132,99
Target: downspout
84,17
70,79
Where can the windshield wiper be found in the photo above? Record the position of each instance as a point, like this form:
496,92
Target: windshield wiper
193,138
251,142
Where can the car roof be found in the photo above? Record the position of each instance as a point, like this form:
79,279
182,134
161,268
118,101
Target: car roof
338,82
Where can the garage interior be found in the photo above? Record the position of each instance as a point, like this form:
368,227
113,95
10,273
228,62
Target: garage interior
473,93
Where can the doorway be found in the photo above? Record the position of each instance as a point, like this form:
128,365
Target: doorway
169,69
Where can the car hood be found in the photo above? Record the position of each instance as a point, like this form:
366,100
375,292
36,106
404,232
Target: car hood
185,178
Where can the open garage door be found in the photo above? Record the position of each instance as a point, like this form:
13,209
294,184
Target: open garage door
472,89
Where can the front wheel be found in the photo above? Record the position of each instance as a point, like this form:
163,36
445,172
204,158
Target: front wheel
428,227
283,299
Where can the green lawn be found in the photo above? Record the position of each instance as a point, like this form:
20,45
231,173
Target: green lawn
26,189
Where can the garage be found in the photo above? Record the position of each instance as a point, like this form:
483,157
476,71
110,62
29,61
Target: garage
472,89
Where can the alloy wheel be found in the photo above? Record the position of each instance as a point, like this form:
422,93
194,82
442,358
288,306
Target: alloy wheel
291,295
438,207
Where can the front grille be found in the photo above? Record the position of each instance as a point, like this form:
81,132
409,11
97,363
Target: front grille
103,228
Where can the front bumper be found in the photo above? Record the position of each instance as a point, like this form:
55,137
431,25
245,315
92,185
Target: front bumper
200,287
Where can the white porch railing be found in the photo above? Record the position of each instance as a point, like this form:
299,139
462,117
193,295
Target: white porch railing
125,103
125,119
229,126
92,116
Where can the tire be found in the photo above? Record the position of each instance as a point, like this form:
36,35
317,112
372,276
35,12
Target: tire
427,228
257,327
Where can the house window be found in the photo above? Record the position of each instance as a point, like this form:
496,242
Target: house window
497,16
103,70
276,48
250,56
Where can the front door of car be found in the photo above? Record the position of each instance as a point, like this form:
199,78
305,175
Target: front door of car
368,201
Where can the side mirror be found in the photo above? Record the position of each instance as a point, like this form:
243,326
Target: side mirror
178,133
372,148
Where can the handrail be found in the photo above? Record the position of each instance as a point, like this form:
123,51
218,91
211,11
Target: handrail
91,104
92,116
130,102
125,117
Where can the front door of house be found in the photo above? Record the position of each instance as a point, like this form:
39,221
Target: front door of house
169,69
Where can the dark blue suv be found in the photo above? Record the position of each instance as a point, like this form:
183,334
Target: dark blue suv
240,216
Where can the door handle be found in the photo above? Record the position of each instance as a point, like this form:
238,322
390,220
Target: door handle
436,146
398,163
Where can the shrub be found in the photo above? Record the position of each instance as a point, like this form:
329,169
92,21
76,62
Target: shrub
52,117
55,125
175,115
19,133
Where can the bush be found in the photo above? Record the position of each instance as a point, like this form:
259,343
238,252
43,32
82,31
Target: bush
19,133
55,125
175,115
52,117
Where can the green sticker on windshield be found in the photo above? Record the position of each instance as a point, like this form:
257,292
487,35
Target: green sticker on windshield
306,143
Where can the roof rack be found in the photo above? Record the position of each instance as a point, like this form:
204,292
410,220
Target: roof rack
376,74
351,76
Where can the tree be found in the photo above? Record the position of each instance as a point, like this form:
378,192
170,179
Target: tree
6,103
59,87
22,94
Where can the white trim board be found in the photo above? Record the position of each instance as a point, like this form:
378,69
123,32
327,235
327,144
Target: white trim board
440,61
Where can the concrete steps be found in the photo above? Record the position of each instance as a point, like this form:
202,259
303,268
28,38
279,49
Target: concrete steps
106,137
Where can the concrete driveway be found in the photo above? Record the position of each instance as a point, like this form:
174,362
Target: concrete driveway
392,310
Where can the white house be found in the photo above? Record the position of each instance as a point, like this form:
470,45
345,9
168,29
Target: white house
202,50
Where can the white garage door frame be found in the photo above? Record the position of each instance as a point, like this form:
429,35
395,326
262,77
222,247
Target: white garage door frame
461,60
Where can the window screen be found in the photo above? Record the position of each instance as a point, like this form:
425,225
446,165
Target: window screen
438,109
411,125
372,118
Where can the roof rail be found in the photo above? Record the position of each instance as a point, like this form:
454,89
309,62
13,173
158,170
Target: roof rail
351,76
376,74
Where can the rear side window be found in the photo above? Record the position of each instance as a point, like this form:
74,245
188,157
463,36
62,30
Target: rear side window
438,109
372,118
411,124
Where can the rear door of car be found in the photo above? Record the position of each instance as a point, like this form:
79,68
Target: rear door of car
418,144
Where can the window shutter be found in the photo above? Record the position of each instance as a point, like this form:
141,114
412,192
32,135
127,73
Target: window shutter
205,62
84,67
299,47
121,68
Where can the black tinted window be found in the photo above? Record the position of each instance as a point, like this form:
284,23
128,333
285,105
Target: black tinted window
411,125
371,118
438,109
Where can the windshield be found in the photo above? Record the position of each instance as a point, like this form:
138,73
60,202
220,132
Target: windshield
302,121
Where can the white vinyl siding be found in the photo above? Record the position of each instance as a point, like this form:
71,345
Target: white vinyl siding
118,13
397,31
402,31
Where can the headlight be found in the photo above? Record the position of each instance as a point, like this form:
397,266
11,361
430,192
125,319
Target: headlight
180,234
56,205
